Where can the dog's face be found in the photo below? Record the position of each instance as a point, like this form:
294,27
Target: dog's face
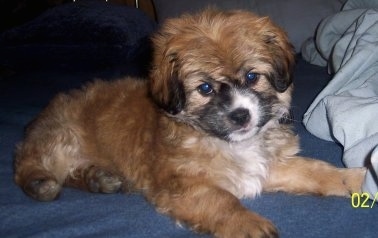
225,73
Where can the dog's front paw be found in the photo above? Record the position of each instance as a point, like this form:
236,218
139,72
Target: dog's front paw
247,225
353,179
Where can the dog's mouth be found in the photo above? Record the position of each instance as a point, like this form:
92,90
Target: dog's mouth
244,129
243,132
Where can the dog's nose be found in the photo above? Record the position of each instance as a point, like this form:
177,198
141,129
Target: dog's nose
240,116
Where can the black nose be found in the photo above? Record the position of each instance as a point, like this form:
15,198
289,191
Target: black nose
240,116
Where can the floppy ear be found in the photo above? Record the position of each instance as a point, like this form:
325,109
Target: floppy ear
282,59
166,88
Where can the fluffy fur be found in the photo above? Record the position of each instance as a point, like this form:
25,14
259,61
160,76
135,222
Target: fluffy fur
205,130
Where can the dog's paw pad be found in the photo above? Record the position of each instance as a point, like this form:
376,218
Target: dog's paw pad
43,189
102,181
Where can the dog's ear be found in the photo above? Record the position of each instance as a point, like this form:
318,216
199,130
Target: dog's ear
166,89
282,58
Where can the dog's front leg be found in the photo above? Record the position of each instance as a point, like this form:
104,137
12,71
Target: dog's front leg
309,176
208,208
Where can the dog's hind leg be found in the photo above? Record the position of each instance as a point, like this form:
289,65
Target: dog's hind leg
48,155
309,176
43,166
96,179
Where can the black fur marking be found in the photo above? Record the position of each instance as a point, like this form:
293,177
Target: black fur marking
266,103
176,98
281,77
212,117
280,80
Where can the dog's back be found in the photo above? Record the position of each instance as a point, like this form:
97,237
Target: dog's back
82,128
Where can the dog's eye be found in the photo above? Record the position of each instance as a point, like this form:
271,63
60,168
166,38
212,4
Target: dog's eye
205,89
251,77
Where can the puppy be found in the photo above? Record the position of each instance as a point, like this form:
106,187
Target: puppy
207,129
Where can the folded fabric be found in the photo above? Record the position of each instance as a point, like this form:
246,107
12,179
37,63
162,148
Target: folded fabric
346,111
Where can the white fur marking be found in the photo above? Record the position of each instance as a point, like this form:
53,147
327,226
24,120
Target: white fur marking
242,101
250,170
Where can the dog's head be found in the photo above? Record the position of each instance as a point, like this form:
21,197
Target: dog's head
225,73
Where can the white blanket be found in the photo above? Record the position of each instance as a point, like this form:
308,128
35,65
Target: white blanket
346,111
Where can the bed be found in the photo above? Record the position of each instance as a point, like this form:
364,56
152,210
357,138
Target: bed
37,69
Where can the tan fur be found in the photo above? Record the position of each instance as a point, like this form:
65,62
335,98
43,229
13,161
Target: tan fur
115,135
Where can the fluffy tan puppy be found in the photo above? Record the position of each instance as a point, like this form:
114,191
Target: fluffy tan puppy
208,128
